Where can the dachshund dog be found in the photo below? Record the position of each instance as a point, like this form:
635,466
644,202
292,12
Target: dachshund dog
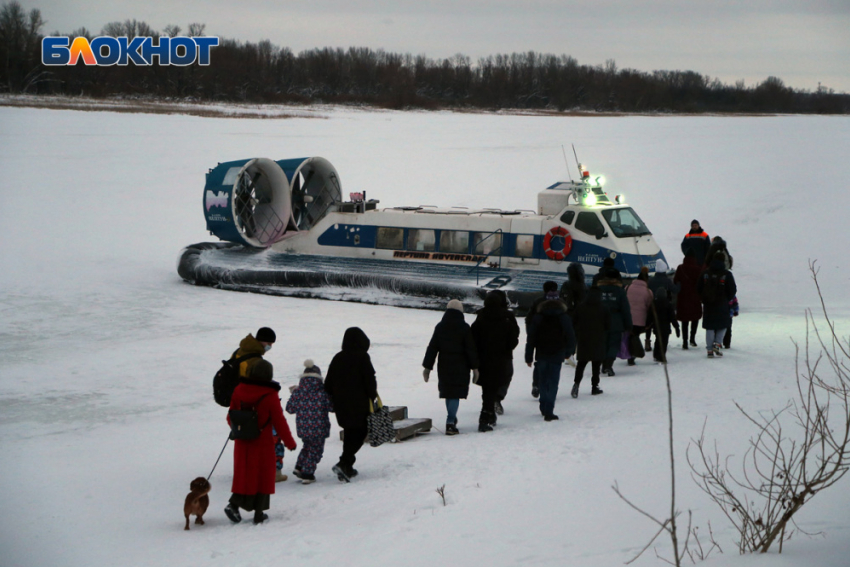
197,501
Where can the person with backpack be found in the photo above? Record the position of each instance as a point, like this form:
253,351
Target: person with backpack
240,364
716,287
549,288
660,280
550,341
664,316
496,335
311,405
615,299
574,289
688,304
591,324
351,386
640,306
254,459
697,240
452,341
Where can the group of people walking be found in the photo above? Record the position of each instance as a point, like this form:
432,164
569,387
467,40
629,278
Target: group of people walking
597,324
347,390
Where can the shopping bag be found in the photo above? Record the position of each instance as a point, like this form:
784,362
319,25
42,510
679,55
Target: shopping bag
379,424
624,353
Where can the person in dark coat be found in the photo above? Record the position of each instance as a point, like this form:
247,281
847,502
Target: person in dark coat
718,245
591,323
452,341
351,385
614,298
608,271
660,280
254,459
550,289
688,304
716,287
697,240
574,289
496,335
734,309
550,341
665,316
311,405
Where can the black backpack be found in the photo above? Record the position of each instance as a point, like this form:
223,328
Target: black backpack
550,334
227,378
245,423
712,287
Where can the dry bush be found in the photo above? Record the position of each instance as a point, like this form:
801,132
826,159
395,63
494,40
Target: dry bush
795,452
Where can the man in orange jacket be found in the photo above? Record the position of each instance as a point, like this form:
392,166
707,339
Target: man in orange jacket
697,240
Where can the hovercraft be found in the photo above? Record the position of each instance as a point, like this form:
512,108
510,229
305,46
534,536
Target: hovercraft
287,230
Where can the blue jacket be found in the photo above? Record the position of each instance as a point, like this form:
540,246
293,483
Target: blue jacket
310,404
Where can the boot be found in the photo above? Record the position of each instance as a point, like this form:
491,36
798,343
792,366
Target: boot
232,513
279,476
499,409
486,421
260,517
308,478
451,429
574,392
685,345
595,391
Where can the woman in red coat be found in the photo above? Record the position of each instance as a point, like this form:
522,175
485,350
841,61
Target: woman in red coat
254,459
688,303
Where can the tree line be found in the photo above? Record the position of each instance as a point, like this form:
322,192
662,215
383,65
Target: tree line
265,73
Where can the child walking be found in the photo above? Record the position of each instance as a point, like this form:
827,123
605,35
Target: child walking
310,404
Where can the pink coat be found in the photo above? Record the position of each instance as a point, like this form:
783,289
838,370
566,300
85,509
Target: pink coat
640,300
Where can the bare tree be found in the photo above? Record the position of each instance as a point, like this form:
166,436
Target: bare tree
795,453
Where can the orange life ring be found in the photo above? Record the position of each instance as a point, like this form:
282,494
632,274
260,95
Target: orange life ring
568,243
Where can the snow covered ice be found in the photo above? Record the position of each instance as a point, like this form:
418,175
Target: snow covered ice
107,357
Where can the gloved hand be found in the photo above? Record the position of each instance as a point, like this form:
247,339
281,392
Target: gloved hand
426,374
678,333
475,376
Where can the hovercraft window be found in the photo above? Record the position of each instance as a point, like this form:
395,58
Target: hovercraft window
524,246
589,223
454,241
422,240
625,222
487,242
390,238
567,218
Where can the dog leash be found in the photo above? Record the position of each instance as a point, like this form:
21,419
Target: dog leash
219,457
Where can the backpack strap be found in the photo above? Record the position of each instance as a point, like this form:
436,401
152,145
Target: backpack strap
256,405
243,358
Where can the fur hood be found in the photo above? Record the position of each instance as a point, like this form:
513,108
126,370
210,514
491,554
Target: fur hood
552,306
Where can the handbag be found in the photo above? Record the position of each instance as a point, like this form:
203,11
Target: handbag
379,424
636,347
245,423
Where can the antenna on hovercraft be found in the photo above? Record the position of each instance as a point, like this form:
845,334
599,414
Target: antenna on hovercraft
563,151
577,163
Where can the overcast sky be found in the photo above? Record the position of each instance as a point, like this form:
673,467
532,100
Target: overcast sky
802,42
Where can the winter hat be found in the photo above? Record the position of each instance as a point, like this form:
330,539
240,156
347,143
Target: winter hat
311,369
695,221
550,286
262,370
608,262
455,304
661,267
266,335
